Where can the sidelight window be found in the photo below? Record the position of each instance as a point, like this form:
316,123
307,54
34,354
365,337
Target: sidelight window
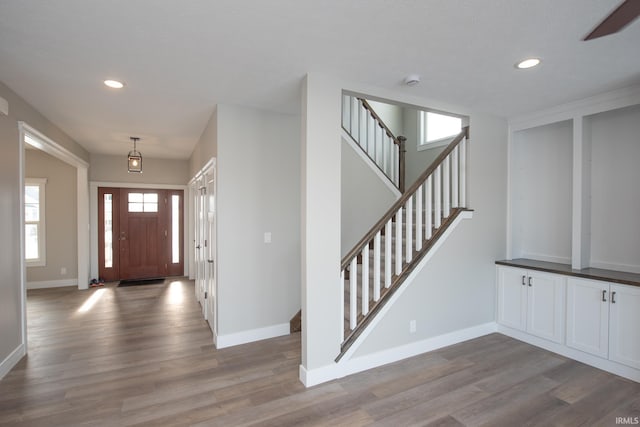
175,229
108,230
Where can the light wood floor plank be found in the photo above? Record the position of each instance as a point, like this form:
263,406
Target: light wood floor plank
143,356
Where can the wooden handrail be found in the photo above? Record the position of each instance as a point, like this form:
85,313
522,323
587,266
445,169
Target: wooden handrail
381,123
403,199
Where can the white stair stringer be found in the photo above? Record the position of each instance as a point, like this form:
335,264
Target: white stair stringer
343,365
348,139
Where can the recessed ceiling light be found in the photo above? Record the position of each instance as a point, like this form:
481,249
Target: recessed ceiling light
528,63
114,84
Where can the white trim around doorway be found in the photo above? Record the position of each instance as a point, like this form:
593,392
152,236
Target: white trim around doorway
93,214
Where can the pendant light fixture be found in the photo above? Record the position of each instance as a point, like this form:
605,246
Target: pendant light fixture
134,159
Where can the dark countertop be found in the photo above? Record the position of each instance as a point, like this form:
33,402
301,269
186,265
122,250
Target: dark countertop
612,276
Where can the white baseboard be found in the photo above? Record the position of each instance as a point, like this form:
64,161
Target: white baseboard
588,359
320,375
252,335
52,284
12,360
347,367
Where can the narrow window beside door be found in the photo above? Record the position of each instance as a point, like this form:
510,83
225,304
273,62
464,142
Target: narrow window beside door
108,230
175,229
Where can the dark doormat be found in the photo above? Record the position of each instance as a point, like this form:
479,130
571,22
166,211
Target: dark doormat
138,282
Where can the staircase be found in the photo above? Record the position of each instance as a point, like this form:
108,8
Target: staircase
383,259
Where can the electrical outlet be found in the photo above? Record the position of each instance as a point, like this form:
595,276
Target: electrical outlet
63,271
267,237
412,326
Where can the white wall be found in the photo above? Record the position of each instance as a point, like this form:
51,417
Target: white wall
615,198
320,223
60,217
455,290
258,191
207,146
106,168
541,202
364,198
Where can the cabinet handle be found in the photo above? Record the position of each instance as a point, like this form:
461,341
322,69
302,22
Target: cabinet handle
530,279
604,293
523,277
613,297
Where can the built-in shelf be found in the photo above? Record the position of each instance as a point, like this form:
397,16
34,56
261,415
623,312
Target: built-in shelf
610,276
572,189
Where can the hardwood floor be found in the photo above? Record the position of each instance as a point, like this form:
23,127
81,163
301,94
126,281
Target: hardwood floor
142,355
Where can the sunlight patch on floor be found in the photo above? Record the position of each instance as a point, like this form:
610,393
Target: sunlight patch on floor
91,301
176,293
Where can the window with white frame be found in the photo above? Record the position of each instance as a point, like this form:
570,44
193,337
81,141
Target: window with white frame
437,129
34,222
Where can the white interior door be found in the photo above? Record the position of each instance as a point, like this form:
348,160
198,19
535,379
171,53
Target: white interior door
210,250
199,243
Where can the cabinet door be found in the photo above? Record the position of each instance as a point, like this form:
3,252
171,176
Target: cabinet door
588,316
512,297
624,319
545,305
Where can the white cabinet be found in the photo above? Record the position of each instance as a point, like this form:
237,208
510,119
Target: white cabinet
512,297
588,316
603,319
624,324
532,301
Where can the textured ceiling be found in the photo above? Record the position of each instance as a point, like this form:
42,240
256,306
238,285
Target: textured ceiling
180,58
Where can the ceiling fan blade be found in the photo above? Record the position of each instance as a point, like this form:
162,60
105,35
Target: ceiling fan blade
617,20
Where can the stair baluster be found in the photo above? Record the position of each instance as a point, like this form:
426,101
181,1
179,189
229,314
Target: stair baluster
370,133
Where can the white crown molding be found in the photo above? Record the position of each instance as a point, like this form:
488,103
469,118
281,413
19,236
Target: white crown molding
613,100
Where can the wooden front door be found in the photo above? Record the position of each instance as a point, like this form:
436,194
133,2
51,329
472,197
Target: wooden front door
140,233
143,233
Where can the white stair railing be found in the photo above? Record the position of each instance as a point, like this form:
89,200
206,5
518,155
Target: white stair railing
421,215
374,137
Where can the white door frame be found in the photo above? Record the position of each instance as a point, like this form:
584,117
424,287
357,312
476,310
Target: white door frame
41,142
209,168
211,267
93,212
